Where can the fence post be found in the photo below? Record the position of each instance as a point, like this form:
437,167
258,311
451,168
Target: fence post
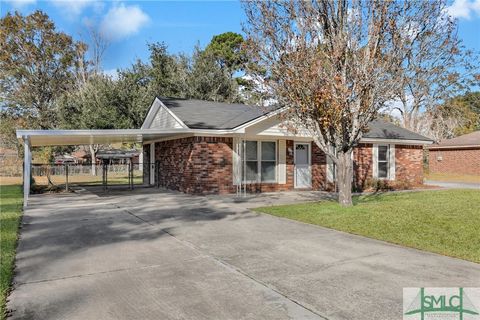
66,177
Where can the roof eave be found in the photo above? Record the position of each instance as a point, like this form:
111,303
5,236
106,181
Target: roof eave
434,147
241,128
396,141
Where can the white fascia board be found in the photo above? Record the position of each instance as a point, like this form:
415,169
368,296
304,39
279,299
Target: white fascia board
162,105
78,137
151,114
95,132
453,147
168,138
395,141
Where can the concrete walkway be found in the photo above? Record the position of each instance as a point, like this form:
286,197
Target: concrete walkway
453,185
158,255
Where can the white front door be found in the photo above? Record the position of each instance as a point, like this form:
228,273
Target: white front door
303,171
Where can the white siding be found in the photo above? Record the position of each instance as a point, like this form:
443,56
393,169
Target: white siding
164,120
274,127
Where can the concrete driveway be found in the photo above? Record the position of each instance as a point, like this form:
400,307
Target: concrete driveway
158,255
453,185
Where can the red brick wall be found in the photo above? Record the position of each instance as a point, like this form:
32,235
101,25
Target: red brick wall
362,165
198,165
458,161
203,165
409,164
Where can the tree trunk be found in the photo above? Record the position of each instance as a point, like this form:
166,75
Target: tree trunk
345,177
93,154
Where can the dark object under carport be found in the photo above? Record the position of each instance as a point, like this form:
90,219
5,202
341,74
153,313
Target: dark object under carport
106,156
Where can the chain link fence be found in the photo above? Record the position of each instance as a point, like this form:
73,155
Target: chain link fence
86,174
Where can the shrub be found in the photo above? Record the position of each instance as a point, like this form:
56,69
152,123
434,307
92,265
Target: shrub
378,185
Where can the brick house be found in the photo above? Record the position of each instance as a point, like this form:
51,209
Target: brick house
228,147
460,155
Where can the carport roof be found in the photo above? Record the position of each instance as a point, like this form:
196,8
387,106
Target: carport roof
84,137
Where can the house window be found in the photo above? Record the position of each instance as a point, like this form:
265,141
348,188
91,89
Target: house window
383,161
260,161
251,161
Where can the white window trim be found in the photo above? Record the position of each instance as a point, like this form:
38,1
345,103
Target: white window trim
282,162
390,161
259,162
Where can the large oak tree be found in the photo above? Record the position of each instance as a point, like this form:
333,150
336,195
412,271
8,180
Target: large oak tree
335,64
37,65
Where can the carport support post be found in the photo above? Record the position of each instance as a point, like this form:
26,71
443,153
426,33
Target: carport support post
66,177
104,175
130,174
27,160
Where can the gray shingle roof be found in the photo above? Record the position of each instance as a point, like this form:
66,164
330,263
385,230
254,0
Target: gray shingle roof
380,129
466,140
199,114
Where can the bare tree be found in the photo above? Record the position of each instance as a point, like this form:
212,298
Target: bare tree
454,117
98,46
334,64
435,66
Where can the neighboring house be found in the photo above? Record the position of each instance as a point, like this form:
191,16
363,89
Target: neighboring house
82,156
65,159
233,146
460,155
118,156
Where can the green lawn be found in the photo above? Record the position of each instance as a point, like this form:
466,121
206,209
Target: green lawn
444,221
10,213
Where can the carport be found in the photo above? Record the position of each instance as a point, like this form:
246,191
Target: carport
42,138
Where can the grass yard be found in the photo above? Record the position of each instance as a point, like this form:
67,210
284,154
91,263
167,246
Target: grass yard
11,201
445,221
80,179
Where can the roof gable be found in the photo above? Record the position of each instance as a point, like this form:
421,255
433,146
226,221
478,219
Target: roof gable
160,117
